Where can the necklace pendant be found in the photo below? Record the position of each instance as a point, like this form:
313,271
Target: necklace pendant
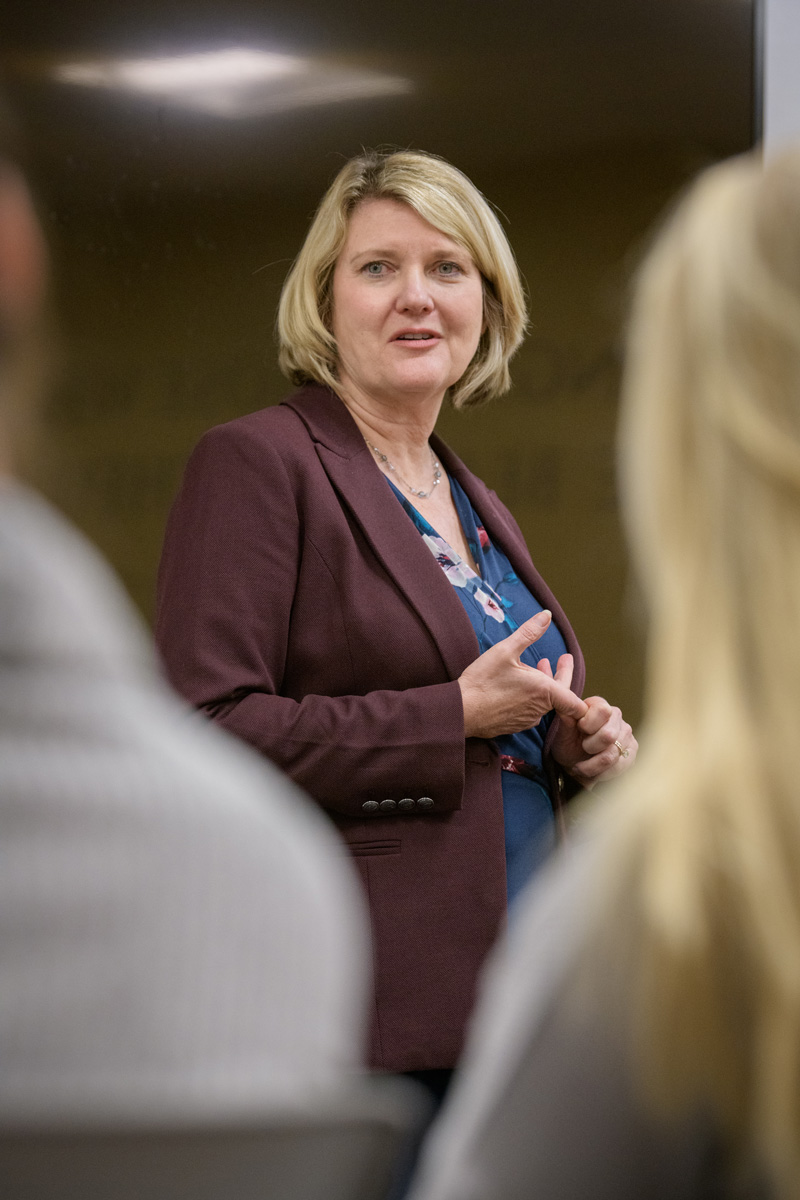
418,492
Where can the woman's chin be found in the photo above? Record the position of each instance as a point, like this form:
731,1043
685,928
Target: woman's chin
419,385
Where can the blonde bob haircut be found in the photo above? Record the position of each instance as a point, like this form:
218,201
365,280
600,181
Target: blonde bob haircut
706,830
444,197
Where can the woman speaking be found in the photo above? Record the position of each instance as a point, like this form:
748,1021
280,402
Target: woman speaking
341,592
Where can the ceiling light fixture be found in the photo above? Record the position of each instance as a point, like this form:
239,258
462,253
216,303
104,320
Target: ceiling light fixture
234,82
184,72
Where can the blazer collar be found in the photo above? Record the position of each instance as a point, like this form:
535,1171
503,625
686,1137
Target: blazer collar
327,420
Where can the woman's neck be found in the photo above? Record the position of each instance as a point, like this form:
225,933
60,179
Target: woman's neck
402,451
401,434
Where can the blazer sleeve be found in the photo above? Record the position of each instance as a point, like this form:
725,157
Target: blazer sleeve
227,583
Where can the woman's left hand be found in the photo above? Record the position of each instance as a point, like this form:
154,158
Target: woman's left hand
597,746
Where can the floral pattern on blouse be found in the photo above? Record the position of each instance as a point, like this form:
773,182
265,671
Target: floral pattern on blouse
497,602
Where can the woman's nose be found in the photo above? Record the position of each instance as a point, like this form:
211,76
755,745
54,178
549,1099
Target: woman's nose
415,293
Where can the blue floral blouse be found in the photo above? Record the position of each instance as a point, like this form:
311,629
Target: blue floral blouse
497,602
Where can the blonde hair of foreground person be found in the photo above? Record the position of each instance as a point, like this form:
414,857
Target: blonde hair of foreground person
441,195
708,827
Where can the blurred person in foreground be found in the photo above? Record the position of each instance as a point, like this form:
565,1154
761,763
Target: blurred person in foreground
639,1031
180,934
342,592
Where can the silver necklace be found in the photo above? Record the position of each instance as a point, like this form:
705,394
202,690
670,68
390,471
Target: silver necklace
423,495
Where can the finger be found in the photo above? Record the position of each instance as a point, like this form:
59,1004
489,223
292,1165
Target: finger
528,633
610,760
608,738
599,713
595,769
564,669
565,702
606,765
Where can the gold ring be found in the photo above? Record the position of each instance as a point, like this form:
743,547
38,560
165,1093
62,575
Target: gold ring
623,753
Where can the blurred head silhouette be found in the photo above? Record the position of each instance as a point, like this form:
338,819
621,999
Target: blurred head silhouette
710,840
23,269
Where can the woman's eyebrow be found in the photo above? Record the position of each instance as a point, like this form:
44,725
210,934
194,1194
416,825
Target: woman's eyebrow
451,251
377,252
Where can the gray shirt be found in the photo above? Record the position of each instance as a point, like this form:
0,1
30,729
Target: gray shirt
546,1104
180,932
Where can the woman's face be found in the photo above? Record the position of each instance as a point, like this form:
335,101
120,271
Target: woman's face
407,307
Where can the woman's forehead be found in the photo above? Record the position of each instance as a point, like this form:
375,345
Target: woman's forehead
390,222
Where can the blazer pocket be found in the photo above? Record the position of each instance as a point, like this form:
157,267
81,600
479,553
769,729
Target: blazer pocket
386,846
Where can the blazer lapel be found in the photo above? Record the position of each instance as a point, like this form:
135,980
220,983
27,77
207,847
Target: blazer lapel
396,543
505,534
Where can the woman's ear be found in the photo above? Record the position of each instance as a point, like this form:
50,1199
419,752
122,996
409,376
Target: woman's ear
23,257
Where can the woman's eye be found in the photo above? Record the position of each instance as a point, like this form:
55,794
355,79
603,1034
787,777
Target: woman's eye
449,268
373,268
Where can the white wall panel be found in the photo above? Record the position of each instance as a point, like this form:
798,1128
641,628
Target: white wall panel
781,73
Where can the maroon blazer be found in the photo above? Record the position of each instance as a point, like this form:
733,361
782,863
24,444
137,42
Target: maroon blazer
299,607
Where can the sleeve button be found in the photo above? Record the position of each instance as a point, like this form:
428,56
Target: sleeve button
424,802
406,804
387,805
370,806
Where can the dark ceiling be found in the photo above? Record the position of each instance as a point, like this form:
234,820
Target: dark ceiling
490,83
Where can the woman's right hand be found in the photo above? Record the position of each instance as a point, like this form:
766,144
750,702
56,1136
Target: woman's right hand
501,695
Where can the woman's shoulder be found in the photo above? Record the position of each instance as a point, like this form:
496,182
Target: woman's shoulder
276,421
273,452
274,435
312,413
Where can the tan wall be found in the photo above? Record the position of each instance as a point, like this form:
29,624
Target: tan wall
167,305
